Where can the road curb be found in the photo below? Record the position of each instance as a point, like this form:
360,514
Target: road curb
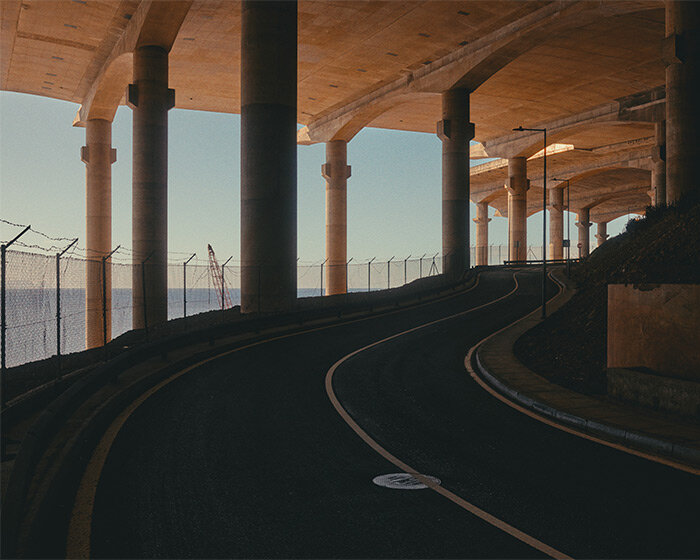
637,440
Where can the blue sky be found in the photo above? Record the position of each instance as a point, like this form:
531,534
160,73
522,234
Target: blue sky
393,195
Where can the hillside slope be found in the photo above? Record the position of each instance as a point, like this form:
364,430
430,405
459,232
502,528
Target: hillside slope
569,348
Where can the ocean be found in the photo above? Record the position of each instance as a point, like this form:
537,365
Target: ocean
31,317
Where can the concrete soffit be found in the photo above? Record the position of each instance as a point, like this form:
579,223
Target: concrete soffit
155,22
467,67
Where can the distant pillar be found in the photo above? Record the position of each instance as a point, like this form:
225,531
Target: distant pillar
98,156
455,131
518,185
556,223
482,233
268,156
583,226
681,52
336,172
150,99
658,171
602,233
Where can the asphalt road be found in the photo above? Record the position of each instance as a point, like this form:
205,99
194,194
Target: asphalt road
246,456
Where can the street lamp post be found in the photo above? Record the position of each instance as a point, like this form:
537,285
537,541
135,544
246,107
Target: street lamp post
544,216
568,232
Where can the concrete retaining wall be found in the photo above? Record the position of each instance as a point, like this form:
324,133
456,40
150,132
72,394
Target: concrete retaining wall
654,346
655,327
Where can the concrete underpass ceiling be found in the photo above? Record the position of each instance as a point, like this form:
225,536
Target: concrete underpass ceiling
346,49
559,59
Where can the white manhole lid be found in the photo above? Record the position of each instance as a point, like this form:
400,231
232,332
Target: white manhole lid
403,481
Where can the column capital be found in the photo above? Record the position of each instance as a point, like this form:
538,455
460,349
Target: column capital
601,236
556,206
517,190
672,49
132,97
449,129
327,174
658,153
85,154
583,225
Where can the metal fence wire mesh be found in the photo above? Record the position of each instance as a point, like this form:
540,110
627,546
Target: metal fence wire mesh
32,295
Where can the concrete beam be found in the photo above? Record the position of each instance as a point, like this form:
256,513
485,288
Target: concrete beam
647,106
467,67
153,23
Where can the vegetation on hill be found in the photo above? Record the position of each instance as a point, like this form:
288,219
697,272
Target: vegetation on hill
569,348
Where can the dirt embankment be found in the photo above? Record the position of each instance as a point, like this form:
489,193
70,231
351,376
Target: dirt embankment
569,348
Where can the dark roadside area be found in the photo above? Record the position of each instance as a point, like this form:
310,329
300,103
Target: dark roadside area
663,247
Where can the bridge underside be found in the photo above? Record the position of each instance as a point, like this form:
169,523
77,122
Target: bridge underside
612,82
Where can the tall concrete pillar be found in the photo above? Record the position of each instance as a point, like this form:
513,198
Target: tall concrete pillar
556,223
482,233
268,155
681,52
336,172
98,156
455,131
151,99
658,171
602,233
518,185
583,226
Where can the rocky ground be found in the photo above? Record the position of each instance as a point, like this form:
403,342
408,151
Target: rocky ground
569,348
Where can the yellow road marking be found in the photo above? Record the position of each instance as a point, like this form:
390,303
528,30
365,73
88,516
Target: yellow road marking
461,502
550,422
80,526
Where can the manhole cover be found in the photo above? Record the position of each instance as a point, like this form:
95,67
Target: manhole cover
403,481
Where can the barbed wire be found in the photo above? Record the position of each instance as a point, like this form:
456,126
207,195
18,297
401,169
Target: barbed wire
37,231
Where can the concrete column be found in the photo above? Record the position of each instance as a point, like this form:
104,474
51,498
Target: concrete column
658,171
150,99
602,233
98,156
455,131
268,155
482,233
556,223
336,172
681,51
518,185
583,226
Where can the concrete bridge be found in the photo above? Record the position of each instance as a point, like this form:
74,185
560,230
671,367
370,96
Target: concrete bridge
160,451
614,81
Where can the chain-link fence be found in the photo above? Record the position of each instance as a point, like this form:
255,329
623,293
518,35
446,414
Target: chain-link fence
47,305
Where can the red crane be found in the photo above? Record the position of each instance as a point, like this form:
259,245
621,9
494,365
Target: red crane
217,274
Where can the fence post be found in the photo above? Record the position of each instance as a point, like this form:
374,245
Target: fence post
388,273
421,265
369,275
324,262
104,295
58,303
143,289
3,323
405,275
184,285
223,283
347,272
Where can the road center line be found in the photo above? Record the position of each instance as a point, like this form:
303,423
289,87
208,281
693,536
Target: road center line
80,526
461,502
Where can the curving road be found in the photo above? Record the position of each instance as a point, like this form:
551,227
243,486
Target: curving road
246,456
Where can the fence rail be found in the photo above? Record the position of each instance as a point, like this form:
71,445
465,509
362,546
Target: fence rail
45,305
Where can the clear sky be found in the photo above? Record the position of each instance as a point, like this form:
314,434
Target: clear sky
394,204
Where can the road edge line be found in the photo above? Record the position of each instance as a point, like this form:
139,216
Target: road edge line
569,422
461,502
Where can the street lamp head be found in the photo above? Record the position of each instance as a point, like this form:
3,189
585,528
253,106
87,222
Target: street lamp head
519,129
